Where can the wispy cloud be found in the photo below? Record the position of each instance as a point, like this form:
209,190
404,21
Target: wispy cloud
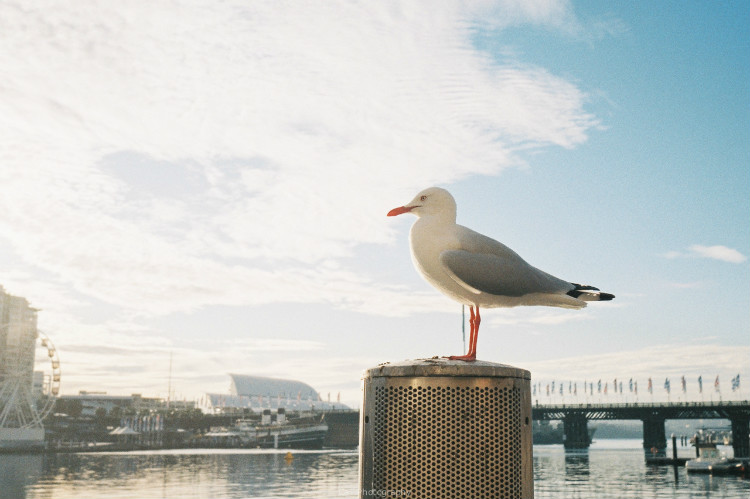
658,361
159,158
197,370
152,169
717,252
537,316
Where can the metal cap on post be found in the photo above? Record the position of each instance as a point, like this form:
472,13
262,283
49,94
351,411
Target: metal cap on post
436,428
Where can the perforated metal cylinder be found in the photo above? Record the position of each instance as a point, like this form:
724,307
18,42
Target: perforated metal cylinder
435,428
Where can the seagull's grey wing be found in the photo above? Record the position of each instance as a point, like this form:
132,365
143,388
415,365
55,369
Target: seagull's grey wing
496,275
474,242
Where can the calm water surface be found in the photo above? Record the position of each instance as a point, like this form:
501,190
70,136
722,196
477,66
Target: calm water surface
610,469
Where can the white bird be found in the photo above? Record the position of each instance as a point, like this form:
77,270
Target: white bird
478,271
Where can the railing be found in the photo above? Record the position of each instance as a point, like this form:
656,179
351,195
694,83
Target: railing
645,405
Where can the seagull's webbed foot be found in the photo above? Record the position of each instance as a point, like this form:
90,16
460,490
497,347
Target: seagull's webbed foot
465,358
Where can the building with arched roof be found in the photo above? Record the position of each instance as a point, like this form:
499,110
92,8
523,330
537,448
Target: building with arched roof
261,392
254,386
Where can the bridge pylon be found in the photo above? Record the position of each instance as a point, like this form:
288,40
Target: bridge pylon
654,435
575,431
740,436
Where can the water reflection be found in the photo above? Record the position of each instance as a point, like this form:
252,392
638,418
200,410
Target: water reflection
18,471
604,471
710,484
577,466
617,469
198,474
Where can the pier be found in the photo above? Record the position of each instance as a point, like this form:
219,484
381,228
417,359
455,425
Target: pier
575,418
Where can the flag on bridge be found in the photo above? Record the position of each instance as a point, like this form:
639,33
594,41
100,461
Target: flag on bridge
630,384
717,387
684,385
599,387
667,386
700,384
650,386
736,382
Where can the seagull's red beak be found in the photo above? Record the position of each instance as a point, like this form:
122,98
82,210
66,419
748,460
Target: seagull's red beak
400,210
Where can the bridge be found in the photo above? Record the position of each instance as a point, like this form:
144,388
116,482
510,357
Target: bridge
575,419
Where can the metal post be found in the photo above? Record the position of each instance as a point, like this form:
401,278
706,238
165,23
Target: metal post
440,428
741,437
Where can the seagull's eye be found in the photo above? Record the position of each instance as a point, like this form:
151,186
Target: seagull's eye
422,198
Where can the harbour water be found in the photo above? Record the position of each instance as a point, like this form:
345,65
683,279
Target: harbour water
609,469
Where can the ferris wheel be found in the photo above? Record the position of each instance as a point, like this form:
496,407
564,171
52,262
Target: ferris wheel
51,375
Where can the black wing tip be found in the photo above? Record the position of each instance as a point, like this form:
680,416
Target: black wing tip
581,289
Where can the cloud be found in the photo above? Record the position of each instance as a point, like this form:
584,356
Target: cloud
686,285
657,362
537,316
153,169
196,369
718,252
721,253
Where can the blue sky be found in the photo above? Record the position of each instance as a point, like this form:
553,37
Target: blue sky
222,196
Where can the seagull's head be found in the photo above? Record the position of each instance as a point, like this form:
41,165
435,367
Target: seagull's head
433,201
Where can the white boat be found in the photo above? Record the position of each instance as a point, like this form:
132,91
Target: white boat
710,460
282,433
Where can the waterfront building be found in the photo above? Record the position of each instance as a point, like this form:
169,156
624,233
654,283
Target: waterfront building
259,392
89,402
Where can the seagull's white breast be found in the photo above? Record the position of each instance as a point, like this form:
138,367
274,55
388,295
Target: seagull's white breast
428,238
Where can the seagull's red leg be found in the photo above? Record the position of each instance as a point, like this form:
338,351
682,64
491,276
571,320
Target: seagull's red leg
471,355
472,336
473,344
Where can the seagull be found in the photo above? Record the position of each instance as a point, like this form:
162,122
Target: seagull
478,271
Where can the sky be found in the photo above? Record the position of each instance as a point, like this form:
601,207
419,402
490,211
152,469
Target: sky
208,182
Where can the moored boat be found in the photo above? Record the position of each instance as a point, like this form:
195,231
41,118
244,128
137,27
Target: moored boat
282,433
711,460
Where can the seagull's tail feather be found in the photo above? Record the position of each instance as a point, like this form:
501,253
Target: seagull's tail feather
589,293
